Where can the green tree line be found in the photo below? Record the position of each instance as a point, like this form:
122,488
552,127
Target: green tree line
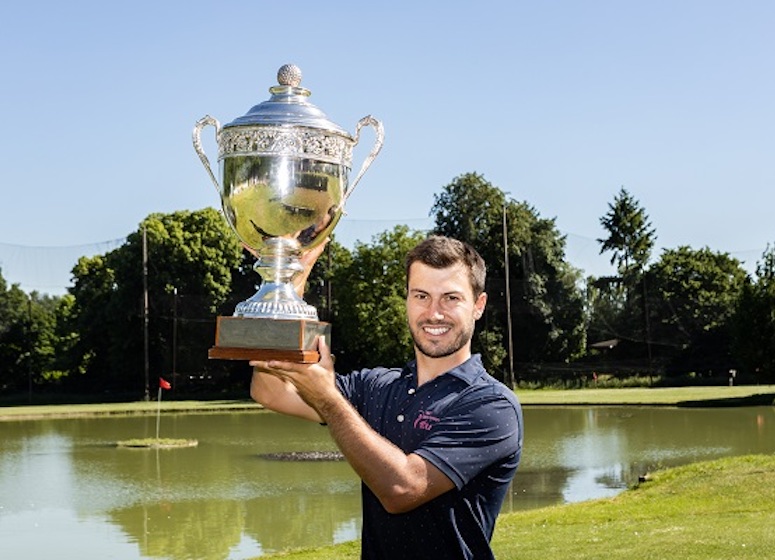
147,308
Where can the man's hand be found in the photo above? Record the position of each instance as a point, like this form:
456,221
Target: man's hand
298,389
308,260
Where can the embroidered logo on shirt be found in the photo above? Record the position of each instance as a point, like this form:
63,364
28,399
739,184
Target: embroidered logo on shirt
425,421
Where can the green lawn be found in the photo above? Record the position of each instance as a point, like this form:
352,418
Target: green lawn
720,509
669,396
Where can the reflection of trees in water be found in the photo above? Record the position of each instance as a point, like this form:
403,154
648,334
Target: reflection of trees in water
205,529
199,502
300,520
172,521
208,529
536,488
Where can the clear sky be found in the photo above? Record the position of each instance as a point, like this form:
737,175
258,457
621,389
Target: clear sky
557,103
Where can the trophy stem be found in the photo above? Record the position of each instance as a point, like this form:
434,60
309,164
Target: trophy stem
277,298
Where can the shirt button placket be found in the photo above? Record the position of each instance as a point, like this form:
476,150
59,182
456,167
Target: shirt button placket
411,391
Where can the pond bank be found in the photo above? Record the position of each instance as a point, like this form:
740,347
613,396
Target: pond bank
745,395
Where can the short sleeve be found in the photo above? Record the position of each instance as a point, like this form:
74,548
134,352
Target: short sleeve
482,428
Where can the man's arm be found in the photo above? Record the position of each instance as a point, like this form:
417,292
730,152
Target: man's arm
400,481
279,395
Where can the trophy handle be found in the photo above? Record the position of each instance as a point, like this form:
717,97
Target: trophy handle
196,135
380,138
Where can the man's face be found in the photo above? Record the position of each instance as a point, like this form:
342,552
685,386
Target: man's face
441,309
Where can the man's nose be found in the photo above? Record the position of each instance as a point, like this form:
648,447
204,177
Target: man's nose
436,311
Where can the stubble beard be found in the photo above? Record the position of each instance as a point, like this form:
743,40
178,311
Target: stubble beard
431,350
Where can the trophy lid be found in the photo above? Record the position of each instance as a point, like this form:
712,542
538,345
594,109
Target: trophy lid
288,106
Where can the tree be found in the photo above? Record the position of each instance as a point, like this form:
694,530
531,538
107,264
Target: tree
369,290
26,337
630,235
618,309
88,323
470,208
322,288
547,307
753,323
191,256
692,296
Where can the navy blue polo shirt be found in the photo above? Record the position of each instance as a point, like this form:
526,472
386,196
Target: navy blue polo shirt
469,426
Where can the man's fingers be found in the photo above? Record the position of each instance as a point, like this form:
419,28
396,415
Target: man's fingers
326,359
314,254
249,249
282,370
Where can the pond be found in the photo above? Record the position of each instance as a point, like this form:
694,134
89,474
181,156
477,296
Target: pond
67,491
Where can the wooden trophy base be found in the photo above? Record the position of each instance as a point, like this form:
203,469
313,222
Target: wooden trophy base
250,338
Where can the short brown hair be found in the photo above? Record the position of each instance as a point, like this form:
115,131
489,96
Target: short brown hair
438,251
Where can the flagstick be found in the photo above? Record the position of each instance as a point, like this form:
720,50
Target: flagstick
158,415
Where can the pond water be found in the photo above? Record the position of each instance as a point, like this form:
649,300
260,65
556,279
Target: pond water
66,491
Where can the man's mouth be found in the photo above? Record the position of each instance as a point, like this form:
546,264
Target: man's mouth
436,330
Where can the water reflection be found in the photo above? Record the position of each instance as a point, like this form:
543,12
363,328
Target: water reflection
219,500
574,454
66,490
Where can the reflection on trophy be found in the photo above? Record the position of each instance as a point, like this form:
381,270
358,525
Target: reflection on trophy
283,170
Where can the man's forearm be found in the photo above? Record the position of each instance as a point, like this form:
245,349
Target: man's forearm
278,395
401,482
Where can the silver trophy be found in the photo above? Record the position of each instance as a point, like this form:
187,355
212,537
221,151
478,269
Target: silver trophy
283,183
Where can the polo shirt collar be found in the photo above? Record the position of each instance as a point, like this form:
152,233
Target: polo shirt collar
469,371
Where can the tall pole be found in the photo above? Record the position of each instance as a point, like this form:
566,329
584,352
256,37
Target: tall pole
508,296
648,323
31,348
174,338
145,315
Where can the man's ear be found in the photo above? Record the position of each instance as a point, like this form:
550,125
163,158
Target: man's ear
479,305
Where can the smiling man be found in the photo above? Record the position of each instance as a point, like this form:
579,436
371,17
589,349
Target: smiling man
437,442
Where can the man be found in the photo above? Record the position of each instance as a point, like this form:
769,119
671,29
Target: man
436,443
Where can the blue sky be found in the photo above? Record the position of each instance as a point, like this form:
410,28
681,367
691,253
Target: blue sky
558,103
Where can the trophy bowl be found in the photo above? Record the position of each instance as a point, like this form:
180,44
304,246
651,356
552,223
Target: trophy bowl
283,180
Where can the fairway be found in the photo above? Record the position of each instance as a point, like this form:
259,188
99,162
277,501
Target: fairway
668,396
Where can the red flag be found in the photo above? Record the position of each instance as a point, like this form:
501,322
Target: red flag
164,384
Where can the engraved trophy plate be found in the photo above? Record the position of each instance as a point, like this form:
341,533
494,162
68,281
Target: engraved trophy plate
283,180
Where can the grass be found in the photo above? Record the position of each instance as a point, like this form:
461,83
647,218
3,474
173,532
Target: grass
718,509
122,409
157,443
743,395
